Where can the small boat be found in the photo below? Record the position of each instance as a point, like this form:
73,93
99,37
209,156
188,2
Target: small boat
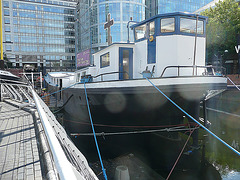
6,76
168,51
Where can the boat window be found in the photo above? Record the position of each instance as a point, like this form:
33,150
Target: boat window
105,60
189,26
78,77
140,32
83,73
152,28
167,25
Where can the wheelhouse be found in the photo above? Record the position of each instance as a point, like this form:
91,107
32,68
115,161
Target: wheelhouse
161,45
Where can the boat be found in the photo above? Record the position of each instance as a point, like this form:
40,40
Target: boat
6,76
169,52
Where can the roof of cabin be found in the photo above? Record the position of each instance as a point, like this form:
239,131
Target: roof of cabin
169,15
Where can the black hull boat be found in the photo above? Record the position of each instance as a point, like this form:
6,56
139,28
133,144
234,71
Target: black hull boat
167,53
142,106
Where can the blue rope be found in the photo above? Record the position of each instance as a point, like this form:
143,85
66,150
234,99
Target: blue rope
104,172
230,147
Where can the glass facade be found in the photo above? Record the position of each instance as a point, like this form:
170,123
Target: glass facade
42,28
91,16
167,6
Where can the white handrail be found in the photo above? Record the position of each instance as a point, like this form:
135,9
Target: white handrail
64,168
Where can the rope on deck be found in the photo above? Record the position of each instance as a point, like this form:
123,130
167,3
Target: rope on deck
95,138
210,132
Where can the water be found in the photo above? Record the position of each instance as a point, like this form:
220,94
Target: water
212,160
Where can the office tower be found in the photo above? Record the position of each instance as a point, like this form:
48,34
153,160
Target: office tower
39,33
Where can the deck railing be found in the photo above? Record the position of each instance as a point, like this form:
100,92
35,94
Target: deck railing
194,71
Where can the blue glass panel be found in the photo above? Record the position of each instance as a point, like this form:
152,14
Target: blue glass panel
15,13
27,14
6,20
6,12
6,4
14,5
26,6
8,37
7,28
16,48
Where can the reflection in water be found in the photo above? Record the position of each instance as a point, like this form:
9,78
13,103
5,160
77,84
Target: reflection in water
212,161
227,127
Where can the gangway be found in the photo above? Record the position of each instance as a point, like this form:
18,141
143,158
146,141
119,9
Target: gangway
61,158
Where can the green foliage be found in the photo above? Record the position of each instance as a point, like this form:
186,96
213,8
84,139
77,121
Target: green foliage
222,29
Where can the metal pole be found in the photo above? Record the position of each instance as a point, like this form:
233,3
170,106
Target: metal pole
195,46
1,37
41,80
32,80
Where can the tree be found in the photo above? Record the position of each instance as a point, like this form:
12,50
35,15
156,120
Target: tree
223,30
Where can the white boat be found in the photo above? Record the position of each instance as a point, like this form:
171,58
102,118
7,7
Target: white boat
169,52
5,76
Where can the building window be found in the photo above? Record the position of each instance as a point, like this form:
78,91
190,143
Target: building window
6,4
140,32
189,26
8,48
167,25
105,60
7,29
7,20
6,12
8,38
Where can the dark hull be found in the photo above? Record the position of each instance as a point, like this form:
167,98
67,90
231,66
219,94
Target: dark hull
118,108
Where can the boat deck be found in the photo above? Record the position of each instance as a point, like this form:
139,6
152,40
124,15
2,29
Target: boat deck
19,157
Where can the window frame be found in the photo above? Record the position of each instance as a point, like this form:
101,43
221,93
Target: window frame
192,33
101,60
174,21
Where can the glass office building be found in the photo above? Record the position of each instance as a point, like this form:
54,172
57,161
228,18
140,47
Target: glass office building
91,16
167,6
39,32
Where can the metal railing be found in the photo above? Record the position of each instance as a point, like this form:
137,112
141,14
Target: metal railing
117,72
68,160
204,70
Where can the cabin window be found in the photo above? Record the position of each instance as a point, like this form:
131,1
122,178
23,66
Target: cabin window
167,25
105,60
189,26
140,32
151,28
78,77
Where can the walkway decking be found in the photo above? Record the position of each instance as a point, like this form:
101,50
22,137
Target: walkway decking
19,156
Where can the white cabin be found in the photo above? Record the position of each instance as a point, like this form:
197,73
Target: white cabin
60,79
164,47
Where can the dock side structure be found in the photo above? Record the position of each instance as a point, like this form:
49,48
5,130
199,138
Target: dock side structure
33,145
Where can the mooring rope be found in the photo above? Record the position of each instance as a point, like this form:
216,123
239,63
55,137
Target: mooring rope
210,132
176,129
95,138
180,154
136,126
233,83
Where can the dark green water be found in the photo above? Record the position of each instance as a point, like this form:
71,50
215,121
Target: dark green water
212,161
227,127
